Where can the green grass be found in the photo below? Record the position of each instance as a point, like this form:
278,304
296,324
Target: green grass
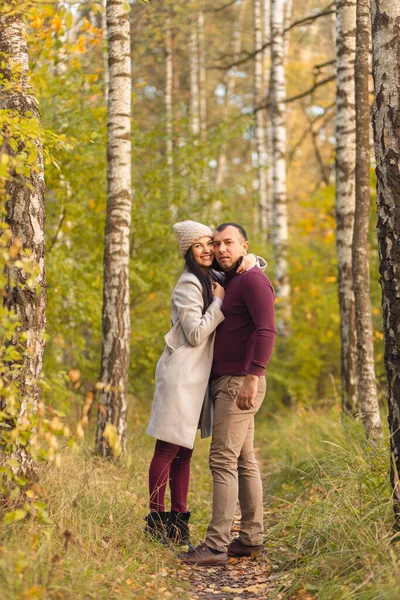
328,514
95,547
329,507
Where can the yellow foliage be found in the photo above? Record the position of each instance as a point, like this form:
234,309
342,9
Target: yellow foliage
56,23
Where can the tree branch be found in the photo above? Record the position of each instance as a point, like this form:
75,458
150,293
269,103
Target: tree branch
220,8
310,19
298,96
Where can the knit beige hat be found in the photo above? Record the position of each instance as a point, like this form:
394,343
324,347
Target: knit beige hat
188,232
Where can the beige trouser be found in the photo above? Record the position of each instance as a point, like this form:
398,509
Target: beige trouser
234,467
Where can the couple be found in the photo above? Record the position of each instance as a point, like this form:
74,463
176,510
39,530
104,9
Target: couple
236,355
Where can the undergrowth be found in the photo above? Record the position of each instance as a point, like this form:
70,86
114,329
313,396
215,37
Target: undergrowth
329,513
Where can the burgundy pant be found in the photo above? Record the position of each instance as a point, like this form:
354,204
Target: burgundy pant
170,463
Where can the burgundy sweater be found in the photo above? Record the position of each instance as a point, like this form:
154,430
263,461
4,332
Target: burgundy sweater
245,339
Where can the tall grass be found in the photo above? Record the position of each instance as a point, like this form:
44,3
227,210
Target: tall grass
328,515
95,547
330,511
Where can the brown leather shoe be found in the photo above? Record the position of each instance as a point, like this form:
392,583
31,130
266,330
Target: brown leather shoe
202,555
237,548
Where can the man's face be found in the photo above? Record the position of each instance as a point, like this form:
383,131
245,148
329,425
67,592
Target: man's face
229,246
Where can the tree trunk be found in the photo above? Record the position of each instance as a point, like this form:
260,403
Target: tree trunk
25,215
194,80
111,425
386,123
345,195
168,108
367,392
230,90
202,77
280,218
259,97
268,124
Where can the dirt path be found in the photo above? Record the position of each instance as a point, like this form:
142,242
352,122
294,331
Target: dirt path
241,579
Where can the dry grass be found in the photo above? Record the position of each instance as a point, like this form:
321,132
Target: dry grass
95,547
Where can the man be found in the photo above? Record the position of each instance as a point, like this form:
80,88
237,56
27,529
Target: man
243,346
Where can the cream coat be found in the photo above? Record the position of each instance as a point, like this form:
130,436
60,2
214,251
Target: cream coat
181,402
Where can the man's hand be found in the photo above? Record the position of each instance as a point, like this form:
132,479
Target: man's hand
247,393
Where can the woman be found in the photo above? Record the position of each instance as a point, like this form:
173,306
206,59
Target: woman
181,402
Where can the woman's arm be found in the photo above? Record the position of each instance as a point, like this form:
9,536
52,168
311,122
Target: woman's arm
188,300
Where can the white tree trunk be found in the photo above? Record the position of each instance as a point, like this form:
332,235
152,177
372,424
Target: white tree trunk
168,107
280,218
230,88
194,80
116,316
286,23
25,215
365,348
202,77
345,195
386,71
259,97
268,123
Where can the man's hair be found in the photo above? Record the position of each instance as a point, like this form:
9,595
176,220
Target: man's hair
238,227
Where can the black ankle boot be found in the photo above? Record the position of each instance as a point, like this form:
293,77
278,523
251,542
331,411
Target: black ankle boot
178,527
157,525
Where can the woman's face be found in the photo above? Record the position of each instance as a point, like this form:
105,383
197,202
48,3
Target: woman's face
203,251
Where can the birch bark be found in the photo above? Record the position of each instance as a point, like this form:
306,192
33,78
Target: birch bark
259,96
168,106
345,195
25,216
194,80
278,115
268,124
202,77
386,125
367,392
230,89
116,317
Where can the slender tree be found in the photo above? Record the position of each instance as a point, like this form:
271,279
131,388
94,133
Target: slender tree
345,195
268,123
111,425
169,72
367,391
259,97
25,216
230,88
278,116
194,79
202,76
386,72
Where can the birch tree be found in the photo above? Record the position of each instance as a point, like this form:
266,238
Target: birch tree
25,217
168,105
259,96
278,117
202,76
386,72
268,124
230,87
111,424
345,195
194,80
368,397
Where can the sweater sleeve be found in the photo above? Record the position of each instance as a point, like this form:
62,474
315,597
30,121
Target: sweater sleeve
259,298
188,300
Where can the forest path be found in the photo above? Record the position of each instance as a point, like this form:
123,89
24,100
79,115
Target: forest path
246,578
242,578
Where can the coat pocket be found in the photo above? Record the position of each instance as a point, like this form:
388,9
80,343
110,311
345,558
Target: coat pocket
174,353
